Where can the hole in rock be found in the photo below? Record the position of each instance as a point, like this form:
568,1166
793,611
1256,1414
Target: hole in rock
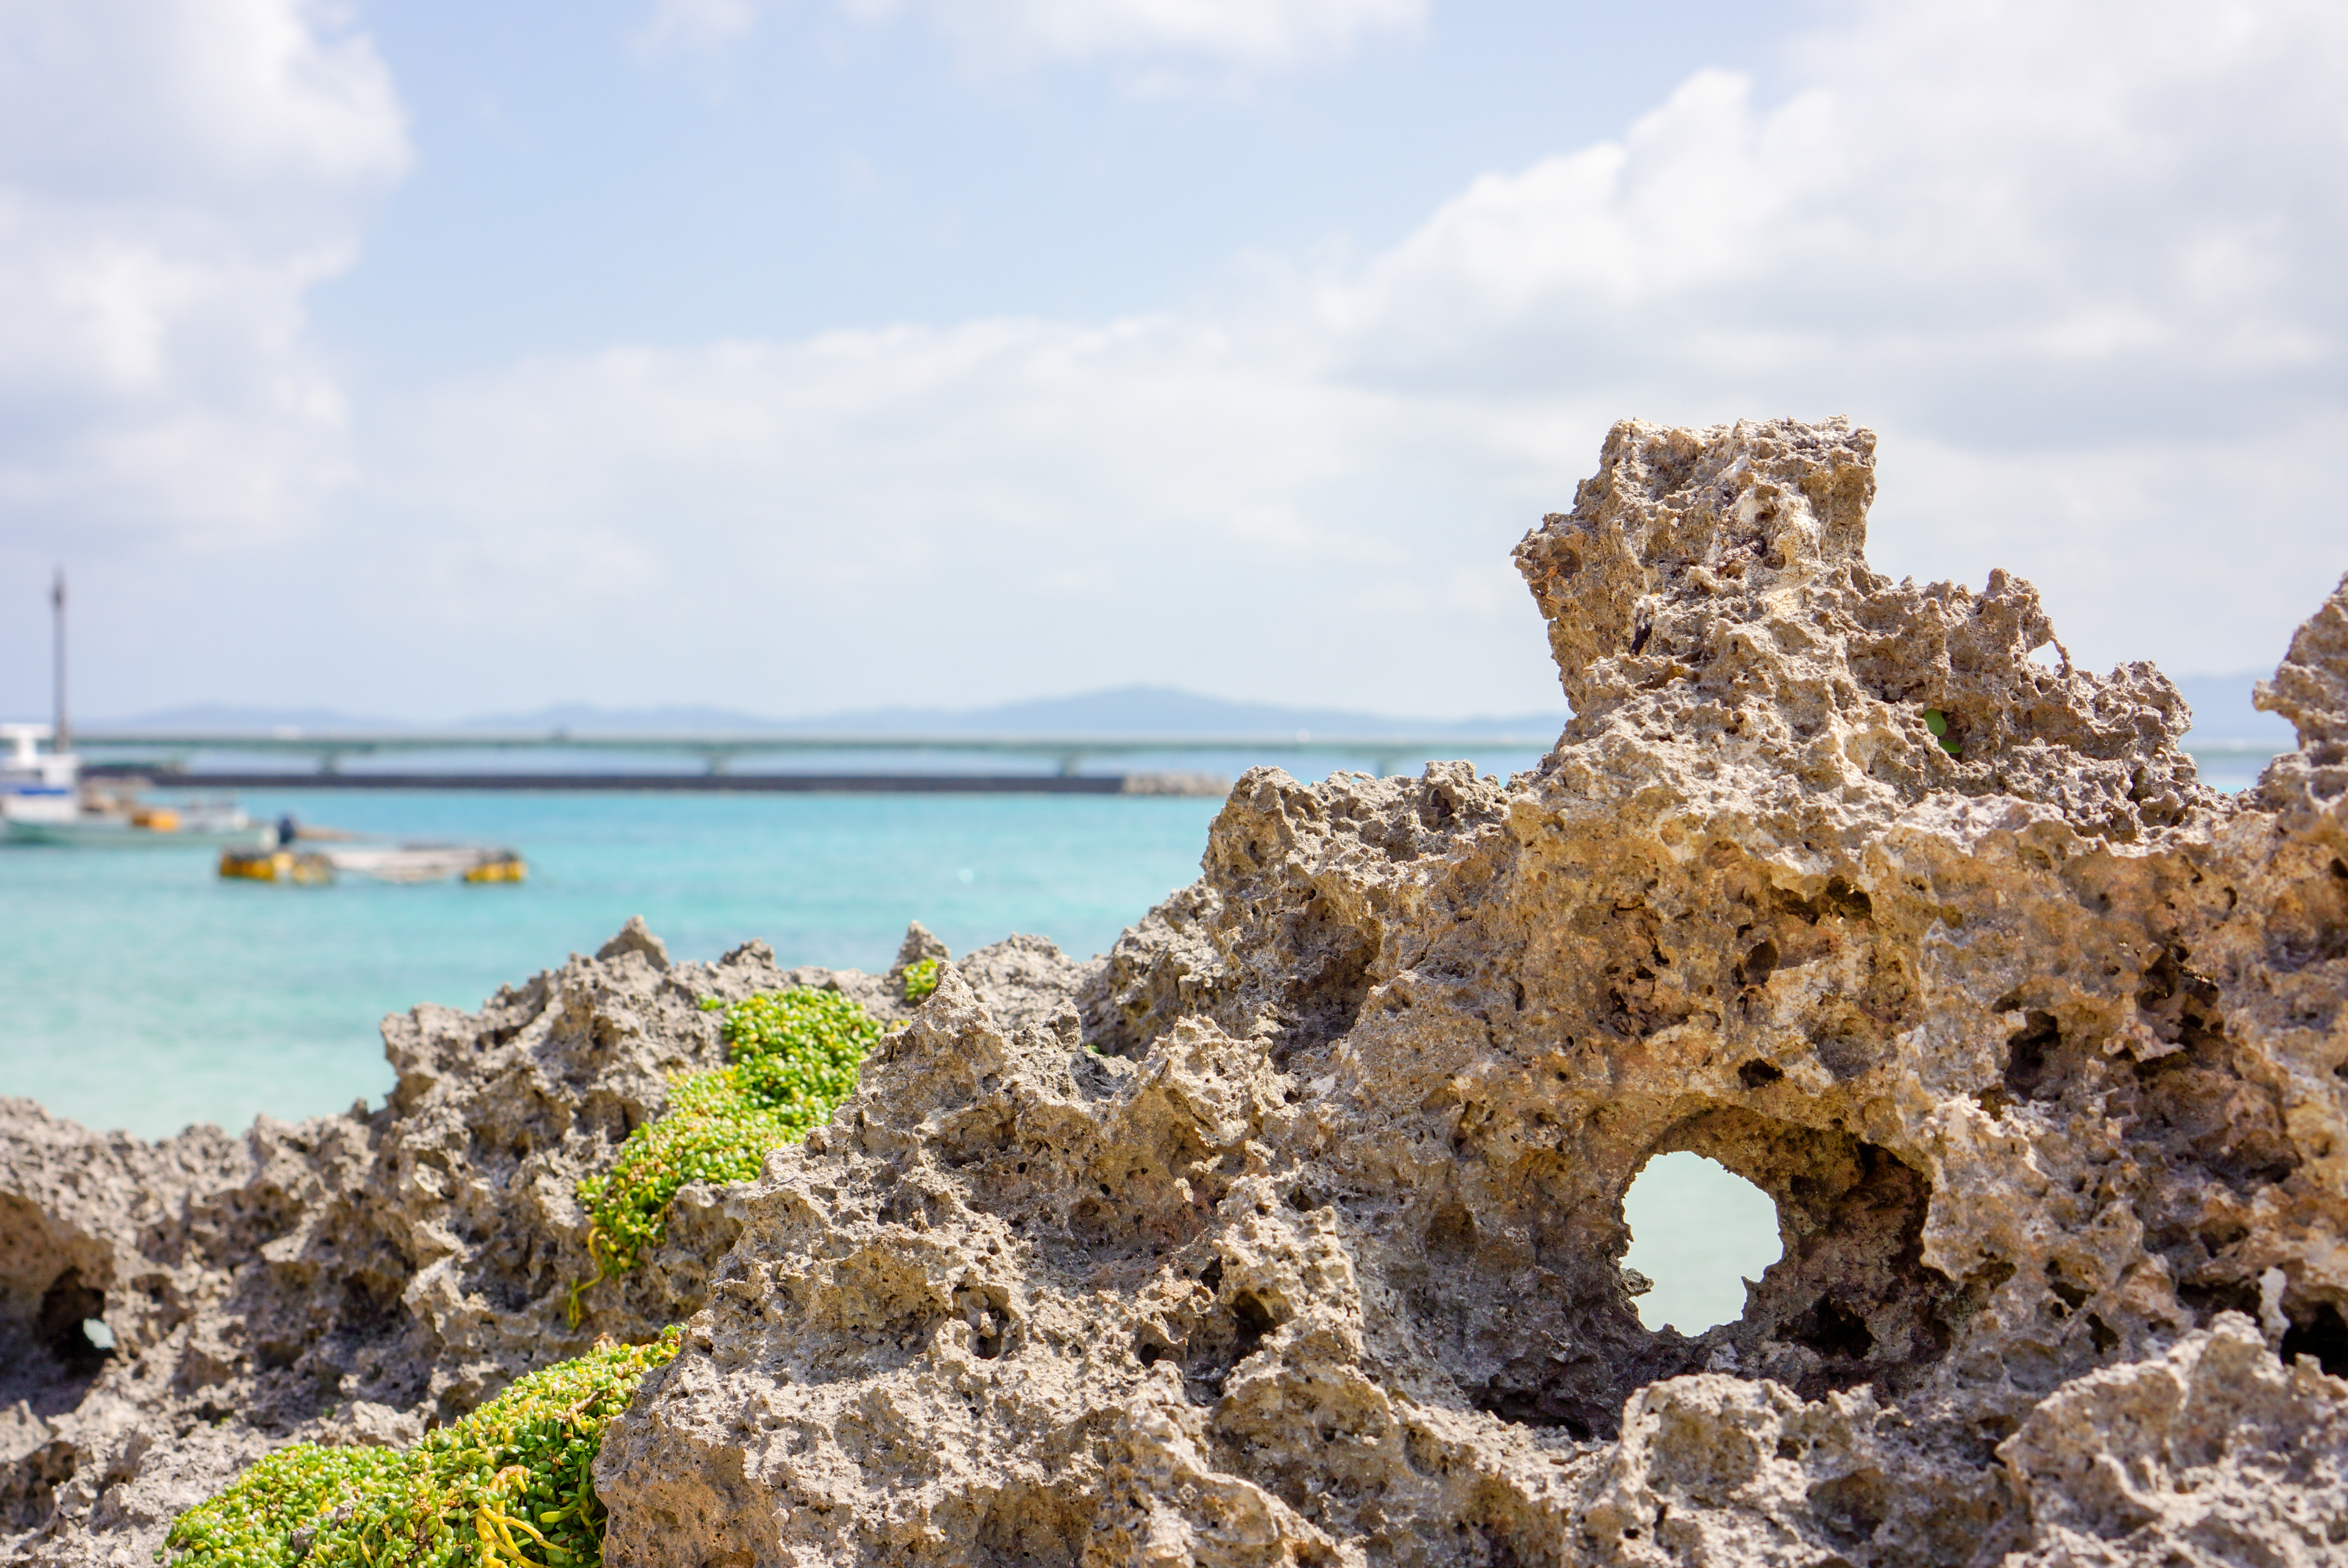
66,1306
1251,1321
2324,1336
2026,1053
1699,1231
1832,1329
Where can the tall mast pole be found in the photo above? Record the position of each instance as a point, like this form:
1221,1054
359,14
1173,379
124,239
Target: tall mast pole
63,740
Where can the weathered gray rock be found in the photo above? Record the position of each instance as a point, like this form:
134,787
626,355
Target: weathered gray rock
2039,1047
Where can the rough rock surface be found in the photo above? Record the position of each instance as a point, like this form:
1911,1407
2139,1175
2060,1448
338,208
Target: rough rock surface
1291,1232
350,1278
1314,1257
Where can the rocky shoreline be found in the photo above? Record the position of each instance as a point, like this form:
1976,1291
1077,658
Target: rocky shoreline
1290,1232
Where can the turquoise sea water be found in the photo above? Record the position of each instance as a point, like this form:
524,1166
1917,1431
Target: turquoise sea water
139,989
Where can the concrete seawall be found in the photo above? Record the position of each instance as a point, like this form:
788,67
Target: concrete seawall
738,783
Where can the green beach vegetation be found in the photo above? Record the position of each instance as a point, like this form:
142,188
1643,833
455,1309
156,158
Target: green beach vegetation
512,1484
1938,722
792,1057
921,979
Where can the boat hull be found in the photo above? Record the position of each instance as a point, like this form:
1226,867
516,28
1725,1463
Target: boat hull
104,834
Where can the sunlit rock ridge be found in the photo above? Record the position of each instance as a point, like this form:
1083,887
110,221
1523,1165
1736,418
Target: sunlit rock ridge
1291,1231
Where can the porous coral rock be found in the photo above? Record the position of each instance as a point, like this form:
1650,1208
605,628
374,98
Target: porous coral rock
1314,1256
1291,1232
346,1279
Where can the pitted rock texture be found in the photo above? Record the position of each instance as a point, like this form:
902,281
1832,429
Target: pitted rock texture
350,1278
1292,1233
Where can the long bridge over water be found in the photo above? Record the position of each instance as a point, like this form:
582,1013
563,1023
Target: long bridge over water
172,757
455,758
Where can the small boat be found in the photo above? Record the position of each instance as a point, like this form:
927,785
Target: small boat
37,785
382,862
44,800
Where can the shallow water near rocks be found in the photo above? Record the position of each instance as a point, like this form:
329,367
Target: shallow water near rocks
1698,1232
140,991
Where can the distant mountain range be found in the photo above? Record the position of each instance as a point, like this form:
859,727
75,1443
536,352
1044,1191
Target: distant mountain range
1154,711
2221,710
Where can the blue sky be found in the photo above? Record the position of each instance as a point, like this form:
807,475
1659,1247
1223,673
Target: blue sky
428,359
579,179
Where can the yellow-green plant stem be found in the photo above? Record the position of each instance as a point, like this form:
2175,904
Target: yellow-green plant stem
792,1059
511,1484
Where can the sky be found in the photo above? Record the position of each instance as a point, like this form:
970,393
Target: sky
426,359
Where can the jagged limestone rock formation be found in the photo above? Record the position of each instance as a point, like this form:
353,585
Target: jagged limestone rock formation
1291,1231
2038,1045
349,1279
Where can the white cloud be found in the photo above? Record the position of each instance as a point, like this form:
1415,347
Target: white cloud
1252,34
699,23
154,377
2119,197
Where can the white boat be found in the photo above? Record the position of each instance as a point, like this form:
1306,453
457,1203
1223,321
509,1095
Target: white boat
42,801
38,786
160,827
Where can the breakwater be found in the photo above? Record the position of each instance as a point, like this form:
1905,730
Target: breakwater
1152,784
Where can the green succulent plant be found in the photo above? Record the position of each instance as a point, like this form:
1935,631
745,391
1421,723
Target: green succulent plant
511,1484
792,1059
921,979
1938,722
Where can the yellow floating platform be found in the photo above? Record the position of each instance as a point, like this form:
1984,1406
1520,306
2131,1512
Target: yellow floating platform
275,865
413,863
